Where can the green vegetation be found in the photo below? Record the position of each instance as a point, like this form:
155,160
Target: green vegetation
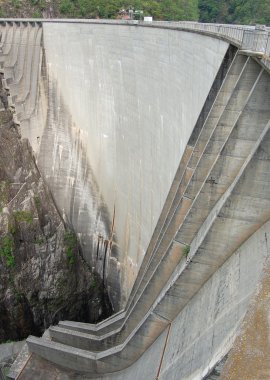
37,201
16,3
94,283
23,216
2,13
222,11
11,228
67,7
161,10
235,11
186,250
7,249
70,243
37,14
39,241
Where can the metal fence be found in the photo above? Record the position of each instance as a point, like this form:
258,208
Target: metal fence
252,38
246,37
233,33
255,39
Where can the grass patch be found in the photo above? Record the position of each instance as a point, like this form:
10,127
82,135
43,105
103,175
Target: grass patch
16,3
37,14
23,216
70,243
6,250
37,201
186,250
66,7
39,241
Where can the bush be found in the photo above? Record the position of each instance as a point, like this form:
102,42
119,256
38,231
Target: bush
23,216
6,250
37,201
66,7
186,250
37,14
70,243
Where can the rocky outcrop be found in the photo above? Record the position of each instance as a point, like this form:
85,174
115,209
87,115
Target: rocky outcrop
42,276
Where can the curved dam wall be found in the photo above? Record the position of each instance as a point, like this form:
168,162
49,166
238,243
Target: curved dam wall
210,238
117,105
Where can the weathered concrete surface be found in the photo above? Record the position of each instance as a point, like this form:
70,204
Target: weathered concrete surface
254,158
216,371
203,332
110,136
249,359
10,350
94,113
188,282
146,368
8,353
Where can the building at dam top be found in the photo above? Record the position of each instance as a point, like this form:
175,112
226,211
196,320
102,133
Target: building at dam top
154,141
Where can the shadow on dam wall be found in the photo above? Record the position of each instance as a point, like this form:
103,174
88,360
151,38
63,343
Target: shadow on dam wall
75,189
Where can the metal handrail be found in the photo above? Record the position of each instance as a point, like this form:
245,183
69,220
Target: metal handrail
255,39
233,33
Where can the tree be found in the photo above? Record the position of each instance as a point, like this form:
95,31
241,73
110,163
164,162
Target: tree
235,11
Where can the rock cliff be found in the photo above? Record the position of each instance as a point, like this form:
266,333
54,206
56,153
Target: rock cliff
42,276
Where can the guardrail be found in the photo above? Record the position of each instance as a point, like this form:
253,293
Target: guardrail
233,33
253,38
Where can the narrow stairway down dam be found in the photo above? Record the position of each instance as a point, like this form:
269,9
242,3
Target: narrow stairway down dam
155,139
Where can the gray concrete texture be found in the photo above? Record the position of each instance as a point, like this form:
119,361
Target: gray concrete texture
129,94
187,284
9,351
170,264
205,330
131,143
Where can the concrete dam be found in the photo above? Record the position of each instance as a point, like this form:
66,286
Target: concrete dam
154,141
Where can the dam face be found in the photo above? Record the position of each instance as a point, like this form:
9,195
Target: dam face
121,107
154,141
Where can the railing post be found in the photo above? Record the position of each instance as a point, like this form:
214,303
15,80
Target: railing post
267,51
255,40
